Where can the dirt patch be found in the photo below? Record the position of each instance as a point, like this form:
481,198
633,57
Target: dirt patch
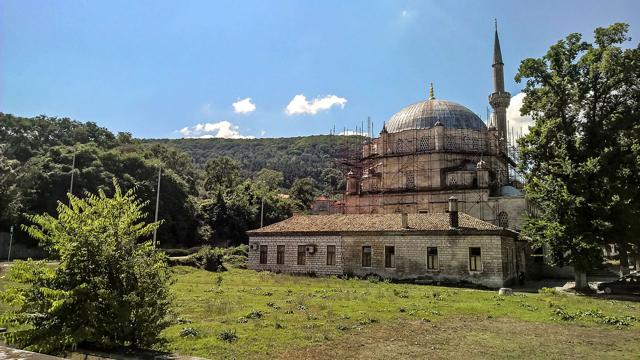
465,337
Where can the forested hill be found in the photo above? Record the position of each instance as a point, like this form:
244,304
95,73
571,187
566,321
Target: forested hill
296,157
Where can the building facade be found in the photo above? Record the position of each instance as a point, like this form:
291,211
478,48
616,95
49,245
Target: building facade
429,247
435,149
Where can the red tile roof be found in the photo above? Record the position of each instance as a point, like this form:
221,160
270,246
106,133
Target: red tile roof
345,223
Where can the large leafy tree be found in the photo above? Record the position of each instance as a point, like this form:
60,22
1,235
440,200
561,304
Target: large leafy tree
9,196
579,156
221,174
111,288
304,191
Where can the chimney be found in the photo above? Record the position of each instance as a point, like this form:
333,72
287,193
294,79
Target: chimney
405,220
453,212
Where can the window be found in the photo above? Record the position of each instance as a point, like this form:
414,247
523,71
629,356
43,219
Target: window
475,259
423,145
410,180
280,255
263,254
503,219
331,254
366,256
432,258
451,143
453,180
389,256
400,148
301,255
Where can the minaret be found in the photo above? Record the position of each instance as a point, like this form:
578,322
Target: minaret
500,99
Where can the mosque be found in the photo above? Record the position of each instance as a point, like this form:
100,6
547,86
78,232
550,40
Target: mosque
433,198
434,149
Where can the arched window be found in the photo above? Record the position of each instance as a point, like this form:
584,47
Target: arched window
475,144
424,144
410,180
451,143
503,219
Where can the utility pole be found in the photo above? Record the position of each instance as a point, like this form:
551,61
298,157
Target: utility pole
155,232
262,212
10,242
73,170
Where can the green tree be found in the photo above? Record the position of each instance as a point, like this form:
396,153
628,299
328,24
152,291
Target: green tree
110,289
304,191
9,195
269,180
583,98
221,174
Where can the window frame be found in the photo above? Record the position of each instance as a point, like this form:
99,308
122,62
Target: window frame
302,255
435,265
477,259
389,257
331,261
280,254
368,256
265,253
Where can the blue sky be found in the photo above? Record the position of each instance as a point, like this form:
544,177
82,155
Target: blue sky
153,68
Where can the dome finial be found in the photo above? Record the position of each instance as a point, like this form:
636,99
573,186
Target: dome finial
431,95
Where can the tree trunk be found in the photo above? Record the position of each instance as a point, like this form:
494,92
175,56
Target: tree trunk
581,280
624,258
637,256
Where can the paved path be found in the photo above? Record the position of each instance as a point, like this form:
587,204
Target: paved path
16,354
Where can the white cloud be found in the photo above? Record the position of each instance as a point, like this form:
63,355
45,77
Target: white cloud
517,121
222,129
262,133
244,106
300,105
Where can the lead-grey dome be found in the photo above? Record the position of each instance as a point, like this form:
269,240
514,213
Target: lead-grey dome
425,114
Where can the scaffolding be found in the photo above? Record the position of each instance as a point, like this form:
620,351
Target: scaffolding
416,170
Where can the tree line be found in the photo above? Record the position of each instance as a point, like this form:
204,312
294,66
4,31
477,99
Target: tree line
208,198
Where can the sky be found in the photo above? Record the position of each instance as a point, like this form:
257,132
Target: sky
171,69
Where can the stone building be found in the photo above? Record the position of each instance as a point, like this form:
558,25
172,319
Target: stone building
435,149
447,247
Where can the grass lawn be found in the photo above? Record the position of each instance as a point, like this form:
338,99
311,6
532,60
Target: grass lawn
283,316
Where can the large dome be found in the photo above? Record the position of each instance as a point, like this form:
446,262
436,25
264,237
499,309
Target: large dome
425,114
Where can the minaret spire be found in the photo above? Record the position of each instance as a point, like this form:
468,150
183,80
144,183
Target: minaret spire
499,99
431,95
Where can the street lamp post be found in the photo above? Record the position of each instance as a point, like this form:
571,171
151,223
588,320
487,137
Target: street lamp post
155,232
10,243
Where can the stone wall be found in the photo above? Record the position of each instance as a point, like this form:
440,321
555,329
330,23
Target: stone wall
410,256
315,263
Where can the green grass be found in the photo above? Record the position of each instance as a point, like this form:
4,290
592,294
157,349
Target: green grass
245,314
274,315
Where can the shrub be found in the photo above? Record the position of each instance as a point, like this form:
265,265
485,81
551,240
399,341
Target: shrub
207,258
109,291
228,336
189,332
548,291
181,252
254,314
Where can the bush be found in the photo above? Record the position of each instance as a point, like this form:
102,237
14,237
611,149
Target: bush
207,258
228,335
240,250
109,291
181,252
